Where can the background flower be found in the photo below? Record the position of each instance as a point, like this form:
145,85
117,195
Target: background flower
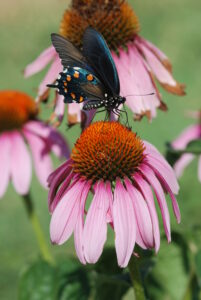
189,134
122,170
20,130
138,61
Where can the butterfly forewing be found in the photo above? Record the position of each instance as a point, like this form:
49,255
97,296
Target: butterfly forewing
97,53
69,54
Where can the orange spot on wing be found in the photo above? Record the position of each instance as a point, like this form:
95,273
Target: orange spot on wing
65,83
76,74
90,77
81,99
73,95
68,78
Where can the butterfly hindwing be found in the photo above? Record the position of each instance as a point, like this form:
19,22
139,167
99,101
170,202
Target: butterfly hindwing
78,85
97,53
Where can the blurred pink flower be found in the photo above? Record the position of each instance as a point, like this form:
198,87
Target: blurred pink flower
20,130
189,134
138,61
122,171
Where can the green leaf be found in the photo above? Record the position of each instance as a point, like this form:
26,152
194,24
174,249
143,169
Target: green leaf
170,275
38,282
73,281
109,281
173,155
194,147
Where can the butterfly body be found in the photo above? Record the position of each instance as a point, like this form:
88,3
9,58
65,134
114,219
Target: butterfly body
90,75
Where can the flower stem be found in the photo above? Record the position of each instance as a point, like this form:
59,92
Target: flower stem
136,278
44,250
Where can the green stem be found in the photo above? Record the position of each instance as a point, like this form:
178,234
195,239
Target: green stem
136,278
44,250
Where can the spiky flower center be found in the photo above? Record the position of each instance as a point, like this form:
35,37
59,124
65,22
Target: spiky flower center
107,150
114,19
16,108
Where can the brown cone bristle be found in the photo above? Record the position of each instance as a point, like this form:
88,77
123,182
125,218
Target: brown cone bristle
114,19
107,150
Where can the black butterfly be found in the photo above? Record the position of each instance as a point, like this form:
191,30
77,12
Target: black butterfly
90,75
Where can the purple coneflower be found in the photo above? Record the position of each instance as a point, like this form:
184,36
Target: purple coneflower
20,130
138,61
191,133
123,173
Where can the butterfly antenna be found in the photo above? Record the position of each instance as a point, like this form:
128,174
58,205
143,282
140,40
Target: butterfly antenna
149,94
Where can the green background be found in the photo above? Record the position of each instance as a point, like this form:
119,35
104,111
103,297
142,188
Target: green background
25,27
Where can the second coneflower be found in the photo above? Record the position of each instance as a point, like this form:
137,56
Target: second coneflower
122,172
138,61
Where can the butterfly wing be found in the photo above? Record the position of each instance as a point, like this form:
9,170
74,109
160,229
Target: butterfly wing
97,53
78,85
68,53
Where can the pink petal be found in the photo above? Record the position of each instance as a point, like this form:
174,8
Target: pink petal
40,62
182,163
135,80
189,134
124,224
41,157
51,76
152,179
110,197
199,168
65,215
167,173
142,215
54,173
51,136
166,186
161,73
59,107
74,113
160,55
56,193
95,228
20,164
5,155
79,227
148,196
87,117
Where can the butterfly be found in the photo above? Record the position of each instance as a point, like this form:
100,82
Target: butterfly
89,75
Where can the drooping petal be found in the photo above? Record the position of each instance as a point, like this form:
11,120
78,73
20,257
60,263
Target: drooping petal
65,215
20,164
152,179
79,227
40,62
167,173
51,137
5,159
50,77
190,133
142,215
59,107
135,80
148,196
182,163
157,52
160,71
124,224
74,113
110,197
41,157
95,228
166,186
